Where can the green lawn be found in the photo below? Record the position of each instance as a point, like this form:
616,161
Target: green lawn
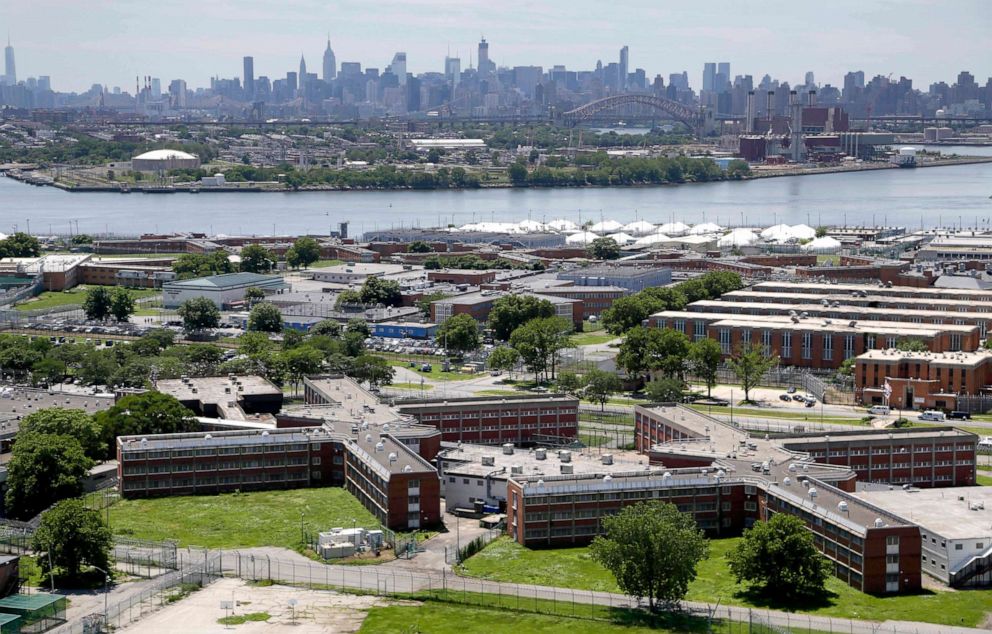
984,480
52,299
322,263
435,617
592,338
505,560
811,414
238,520
435,374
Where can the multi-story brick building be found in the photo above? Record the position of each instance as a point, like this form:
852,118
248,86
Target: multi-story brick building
921,380
595,299
907,292
480,303
522,420
373,462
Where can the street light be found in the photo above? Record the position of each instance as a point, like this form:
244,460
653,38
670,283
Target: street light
106,592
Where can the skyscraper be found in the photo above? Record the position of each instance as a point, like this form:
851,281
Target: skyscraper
486,67
9,73
249,76
330,63
709,75
452,70
624,68
302,77
398,66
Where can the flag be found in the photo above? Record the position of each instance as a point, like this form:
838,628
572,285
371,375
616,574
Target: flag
887,390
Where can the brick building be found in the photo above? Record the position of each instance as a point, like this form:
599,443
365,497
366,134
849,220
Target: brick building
922,380
522,420
480,303
472,277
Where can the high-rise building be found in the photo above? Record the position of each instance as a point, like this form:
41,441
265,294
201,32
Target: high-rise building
177,93
398,66
330,64
624,68
302,76
486,66
9,72
156,87
453,70
723,68
249,76
810,81
709,76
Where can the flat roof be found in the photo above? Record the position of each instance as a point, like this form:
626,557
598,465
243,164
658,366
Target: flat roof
467,459
536,399
816,323
941,511
347,401
820,308
366,268
894,355
842,298
229,280
871,289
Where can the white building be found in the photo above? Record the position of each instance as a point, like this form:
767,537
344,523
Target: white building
222,290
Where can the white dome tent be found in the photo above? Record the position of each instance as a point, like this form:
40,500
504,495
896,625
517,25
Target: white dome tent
621,238
802,232
639,228
530,226
673,228
560,224
825,244
583,237
654,238
705,227
737,238
606,226
776,232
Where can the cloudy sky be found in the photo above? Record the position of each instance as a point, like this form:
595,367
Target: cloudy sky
111,41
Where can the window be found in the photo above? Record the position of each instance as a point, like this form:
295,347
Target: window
892,540
807,349
315,461
725,340
958,546
414,484
766,341
828,347
848,346
787,344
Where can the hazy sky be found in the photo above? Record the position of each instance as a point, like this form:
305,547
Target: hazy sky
80,43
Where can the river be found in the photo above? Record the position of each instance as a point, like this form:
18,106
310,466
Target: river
932,196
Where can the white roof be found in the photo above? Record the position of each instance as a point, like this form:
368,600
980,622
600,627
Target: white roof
737,238
825,243
775,231
673,228
560,224
606,226
531,225
705,227
164,155
583,237
621,238
639,228
654,238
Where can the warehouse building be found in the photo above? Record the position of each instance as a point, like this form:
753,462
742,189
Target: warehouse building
632,278
222,290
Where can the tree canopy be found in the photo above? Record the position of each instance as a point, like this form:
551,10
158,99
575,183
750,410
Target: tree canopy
143,414
749,365
74,423
265,317
257,259
199,314
780,558
539,342
44,469
74,537
509,312
652,550
603,249
459,334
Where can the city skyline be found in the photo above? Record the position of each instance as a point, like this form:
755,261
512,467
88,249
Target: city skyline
881,38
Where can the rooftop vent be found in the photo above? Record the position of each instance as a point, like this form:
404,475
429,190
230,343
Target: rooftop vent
488,461
607,458
508,449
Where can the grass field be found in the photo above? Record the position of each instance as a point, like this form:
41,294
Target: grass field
238,520
443,618
810,414
74,297
984,480
435,374
505,560
498,393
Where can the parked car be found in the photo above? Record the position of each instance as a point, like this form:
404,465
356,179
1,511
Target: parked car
784,397
959,415
798,397
881,410
933,415
792,390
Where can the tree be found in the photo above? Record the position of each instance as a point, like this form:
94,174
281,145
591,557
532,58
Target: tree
629,312
307,251
821,231
603,249
913,345
459,334
96,304
568,383
190,265
704,358
73,536
749,366
419,246
254,343
257,259
20,245
517,172
325,328
143,414
539,342
198,314
97,367
738,169
47,371
43,469
253,295
652,550
348,297
265,317
665,390
301,361
424,303
667,352
74,423
373,369
121,304
512,311
669,298
359,326
379,291
780,557
503,358
600,385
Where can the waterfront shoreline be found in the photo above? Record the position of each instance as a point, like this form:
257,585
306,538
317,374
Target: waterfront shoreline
26,177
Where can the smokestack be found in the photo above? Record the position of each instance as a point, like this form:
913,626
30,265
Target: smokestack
812,98
796,112
770,105
793,97
749,112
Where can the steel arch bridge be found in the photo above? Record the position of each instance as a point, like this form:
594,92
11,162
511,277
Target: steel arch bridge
689,116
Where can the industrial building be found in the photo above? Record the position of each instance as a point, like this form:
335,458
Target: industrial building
479,304
632,278
164,160
222,290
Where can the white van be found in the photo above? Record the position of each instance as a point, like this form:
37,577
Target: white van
881,410
932,415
